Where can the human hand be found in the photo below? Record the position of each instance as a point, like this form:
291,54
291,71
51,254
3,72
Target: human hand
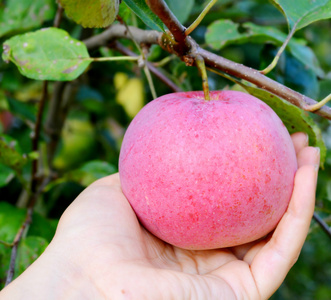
100,251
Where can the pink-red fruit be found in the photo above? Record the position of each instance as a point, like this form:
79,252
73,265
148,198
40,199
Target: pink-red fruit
207,174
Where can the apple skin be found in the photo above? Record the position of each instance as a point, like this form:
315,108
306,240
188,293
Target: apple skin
207,174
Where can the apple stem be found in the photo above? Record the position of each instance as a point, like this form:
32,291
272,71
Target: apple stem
200,63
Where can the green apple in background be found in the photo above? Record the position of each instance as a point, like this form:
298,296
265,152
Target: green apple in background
78,139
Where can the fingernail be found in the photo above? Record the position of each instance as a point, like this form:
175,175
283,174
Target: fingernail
316,167
318,150
307,138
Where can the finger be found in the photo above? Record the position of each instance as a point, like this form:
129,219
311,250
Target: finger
113,180
270,266
308,156
241,251
300,140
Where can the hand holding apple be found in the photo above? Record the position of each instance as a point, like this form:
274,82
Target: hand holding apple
208,174
101,251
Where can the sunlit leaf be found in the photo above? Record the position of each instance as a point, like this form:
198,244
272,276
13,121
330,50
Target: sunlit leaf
130,93
88,173
94,170
141,9
47,54
225,32
19,16
303,12
91,13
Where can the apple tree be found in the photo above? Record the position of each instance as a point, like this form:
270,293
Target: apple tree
73,74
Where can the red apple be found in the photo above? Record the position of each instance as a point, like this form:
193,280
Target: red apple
207,174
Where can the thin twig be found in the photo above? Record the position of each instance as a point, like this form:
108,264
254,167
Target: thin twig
323,225
58,16
280,51
18,237
318,105
34,184
36,136
28,219
118,31
119,47
200,17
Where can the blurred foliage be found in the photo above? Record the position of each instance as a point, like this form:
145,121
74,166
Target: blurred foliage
100,103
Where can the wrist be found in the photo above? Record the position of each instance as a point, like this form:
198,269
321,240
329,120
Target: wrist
51,276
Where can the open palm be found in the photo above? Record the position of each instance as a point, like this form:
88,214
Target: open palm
102,252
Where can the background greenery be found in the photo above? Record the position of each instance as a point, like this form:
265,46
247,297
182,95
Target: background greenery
103,100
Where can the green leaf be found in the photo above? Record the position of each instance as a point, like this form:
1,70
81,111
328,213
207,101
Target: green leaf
94,170
47,54
11,220
294,118
304,12
6,174
23,110
141,9
42,227
91,13
86,174
181,9
10,153
29,250
19,16
225,32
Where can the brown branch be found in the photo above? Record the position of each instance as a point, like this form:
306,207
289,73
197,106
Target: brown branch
18,237
261,81
63,95
36,136
28,219
119,47
33,195
161,9
118,31
58,16
325,227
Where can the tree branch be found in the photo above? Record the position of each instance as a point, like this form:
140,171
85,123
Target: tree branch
36,136
62,97
161,9
323,225
212,60
118,31
18,237
261,81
